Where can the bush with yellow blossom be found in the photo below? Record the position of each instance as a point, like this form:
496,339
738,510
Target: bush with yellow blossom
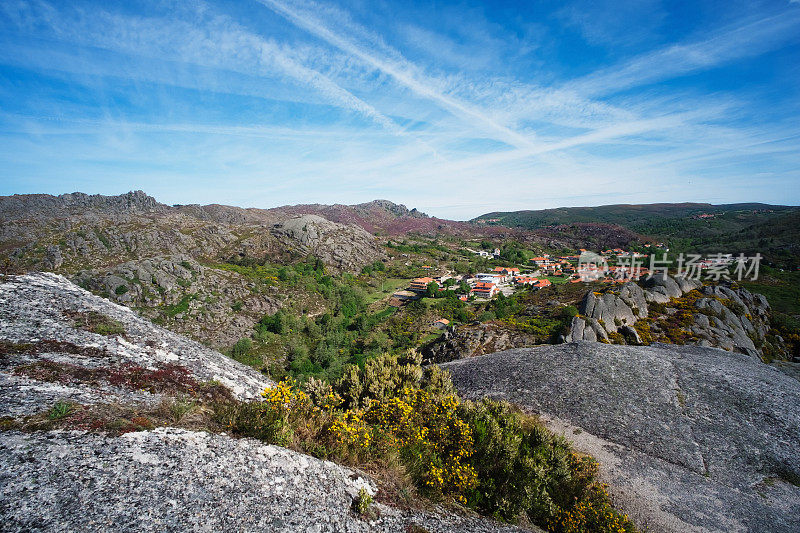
486,455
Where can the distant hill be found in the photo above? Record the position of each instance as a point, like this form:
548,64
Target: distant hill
385,217
771,230
638,217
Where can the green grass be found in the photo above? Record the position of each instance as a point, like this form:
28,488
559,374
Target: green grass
59,410
180,307
386,313
556,280
429,338
96,323
782,290
385,288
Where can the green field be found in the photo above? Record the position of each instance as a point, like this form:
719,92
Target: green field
385,288
782,290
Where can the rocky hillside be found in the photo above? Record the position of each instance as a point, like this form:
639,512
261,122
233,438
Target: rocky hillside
691,438
118,411
344,247
165,261
78,230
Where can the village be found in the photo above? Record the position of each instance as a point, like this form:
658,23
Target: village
609,266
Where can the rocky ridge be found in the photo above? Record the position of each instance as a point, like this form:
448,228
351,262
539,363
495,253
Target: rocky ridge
161,259
690,438
166,478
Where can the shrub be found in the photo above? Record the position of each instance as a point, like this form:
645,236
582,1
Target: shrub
642,327
241,348
121,289
434,442
274,420
272,323
569,312
363,502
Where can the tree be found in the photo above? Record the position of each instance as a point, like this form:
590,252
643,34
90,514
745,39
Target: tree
241,348
274,323
432,290
463,288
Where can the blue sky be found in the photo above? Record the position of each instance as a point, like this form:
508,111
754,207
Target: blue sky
457,108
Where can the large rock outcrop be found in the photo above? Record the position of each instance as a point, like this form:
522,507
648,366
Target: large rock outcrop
680,311
691,438
177,480
618,309
46,312
345,247
474,340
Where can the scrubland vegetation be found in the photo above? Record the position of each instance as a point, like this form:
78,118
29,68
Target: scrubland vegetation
408,428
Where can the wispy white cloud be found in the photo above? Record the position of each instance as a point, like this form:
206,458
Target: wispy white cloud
210,41
332,110
400,70
742,39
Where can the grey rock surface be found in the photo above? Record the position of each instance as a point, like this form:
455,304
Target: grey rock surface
179,480
661,288
344,246
694,439
32,309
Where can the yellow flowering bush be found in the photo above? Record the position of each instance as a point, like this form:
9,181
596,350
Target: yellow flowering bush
433,440
350,430
285,412
485,455
284,396
592,513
